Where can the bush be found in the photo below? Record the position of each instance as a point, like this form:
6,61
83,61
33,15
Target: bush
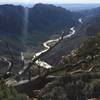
9,93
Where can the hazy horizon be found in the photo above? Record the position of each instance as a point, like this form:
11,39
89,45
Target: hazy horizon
68,6
26,2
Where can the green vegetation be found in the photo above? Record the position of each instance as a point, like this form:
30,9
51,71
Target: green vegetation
9,93
90,47
84,87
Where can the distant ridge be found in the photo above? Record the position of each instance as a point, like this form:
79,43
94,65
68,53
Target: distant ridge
78,7
69,6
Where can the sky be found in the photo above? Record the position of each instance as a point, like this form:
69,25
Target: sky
48,1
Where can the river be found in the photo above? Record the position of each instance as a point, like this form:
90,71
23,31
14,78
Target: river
45,44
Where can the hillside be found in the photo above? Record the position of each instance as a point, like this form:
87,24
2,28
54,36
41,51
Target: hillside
43,21
79,74
89,28
41,17
49,53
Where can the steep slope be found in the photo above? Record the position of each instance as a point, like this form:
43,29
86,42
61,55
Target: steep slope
78,74
50,18
43,21
11,19
91,12
41,17
89,28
